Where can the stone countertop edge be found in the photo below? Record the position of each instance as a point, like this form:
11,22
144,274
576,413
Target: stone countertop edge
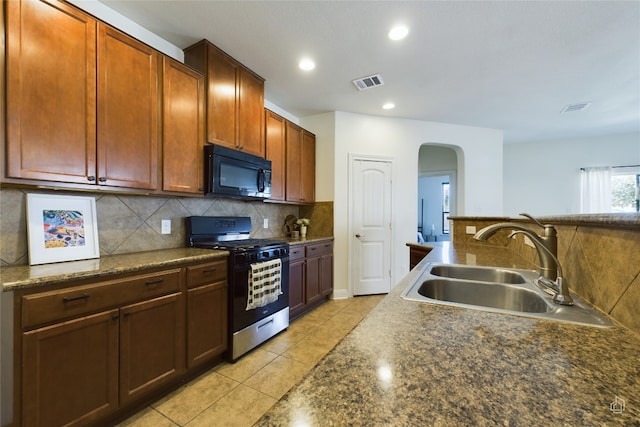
413,363
25,276
303,241
628,220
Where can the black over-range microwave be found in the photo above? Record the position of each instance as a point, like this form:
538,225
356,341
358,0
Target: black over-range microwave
232,173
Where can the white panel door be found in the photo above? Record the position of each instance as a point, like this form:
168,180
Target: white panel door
370,196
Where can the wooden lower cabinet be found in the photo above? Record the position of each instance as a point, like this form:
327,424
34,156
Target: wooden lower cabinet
151,345
206,323
416,254
89,353
310,276
70,371
297,302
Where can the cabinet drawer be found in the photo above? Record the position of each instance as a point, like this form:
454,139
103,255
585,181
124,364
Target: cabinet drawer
79,300
206,273
319,249
296,252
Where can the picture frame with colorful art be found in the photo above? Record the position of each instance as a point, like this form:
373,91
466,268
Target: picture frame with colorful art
61,228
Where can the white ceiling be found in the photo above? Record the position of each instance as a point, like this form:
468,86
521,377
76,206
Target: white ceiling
511,65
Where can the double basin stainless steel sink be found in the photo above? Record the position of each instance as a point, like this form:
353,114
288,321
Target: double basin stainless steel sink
499,290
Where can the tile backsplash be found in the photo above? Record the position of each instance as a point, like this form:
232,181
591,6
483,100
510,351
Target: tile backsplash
132,223
600,263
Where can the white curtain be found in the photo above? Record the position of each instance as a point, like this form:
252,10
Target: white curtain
595,186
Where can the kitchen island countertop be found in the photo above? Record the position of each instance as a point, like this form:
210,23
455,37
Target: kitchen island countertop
412,363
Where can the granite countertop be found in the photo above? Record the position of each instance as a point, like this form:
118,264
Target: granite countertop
306,240
412,363
25,276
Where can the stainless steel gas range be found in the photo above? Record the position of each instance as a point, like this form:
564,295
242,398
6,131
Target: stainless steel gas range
258,276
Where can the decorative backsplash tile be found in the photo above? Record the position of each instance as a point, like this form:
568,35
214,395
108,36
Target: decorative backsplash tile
132,223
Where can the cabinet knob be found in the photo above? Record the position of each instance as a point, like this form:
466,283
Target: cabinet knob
102,179
91,178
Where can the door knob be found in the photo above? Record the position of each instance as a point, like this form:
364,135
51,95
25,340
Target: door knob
359,236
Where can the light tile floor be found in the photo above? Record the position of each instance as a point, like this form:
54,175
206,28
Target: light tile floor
238,394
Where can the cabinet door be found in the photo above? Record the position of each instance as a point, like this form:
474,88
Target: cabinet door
308,167
151,345
326,274
51,92
206,323
275,151
127,111
296,288
293,169
312,278
221,98
70,371
182,128
250,113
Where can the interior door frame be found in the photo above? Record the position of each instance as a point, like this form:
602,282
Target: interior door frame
374,158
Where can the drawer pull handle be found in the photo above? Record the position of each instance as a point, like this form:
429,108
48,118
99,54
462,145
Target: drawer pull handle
79,297
210,270
153,282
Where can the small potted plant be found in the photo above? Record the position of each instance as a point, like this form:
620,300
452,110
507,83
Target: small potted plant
303,223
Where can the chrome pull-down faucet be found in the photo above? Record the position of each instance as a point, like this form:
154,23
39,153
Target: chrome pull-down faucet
546,244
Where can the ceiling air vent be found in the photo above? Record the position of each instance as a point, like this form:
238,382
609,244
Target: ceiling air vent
575,107
368,82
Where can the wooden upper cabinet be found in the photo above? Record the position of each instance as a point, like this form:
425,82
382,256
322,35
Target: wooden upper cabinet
308,162
275,151
294,167
235,99
221,73
301,164
128,135
82,99
250,112
183,128
51,92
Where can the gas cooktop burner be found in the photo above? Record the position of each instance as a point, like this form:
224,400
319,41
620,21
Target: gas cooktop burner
245,244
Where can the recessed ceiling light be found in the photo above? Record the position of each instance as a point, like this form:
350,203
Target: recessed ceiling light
307,64
389,106
398,33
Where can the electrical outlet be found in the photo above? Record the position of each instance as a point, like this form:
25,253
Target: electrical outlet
166,226
471,229
265,223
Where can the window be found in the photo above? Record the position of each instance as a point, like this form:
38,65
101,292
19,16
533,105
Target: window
624,191
610,189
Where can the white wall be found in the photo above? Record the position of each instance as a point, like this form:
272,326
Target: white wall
479,165
543,178
323,126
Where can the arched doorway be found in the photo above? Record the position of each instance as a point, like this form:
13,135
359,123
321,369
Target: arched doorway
437,191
